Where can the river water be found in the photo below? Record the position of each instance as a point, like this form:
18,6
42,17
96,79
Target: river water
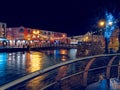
14,65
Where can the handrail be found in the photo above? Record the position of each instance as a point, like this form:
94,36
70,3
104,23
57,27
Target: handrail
40,72
64,78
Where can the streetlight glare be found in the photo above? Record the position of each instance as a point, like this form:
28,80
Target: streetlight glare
110,23
101,23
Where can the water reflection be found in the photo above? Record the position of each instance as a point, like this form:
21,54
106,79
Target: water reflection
62,72
64,58
3,66
72,53
14,65
3,63
34,61
64,52
35,83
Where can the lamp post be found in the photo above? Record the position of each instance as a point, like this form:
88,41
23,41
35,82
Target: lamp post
101,24
107,40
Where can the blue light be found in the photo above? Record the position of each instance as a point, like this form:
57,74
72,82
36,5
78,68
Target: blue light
110,26
3,62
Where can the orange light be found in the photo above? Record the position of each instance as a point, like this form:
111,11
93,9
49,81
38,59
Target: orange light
36,31
102,23
64,52
63,35
33,32
28,39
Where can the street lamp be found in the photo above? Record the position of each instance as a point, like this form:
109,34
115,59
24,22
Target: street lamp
101,23
105,25
110,23
106,34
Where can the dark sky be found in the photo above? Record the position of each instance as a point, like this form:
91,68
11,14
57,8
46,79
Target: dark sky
74,17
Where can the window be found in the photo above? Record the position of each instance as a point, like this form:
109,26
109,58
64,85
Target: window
44,33
21,30
49,33
3,26
28,30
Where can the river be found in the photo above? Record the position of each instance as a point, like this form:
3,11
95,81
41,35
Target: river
14,65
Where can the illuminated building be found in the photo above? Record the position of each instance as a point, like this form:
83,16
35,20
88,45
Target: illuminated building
19,36
16,36
99,39
2,30
3,40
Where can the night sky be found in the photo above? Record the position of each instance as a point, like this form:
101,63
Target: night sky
73,17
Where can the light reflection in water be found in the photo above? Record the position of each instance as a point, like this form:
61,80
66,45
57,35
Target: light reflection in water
64,58
18,64
62,72
2,66
2,63
35,83
72,53
64,52
34,61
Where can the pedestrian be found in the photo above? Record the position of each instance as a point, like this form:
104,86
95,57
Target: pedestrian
102,82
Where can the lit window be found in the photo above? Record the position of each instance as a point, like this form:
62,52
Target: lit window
33,36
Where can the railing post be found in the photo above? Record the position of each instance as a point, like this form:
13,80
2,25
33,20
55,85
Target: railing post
108,71
119,70
86,71
109,67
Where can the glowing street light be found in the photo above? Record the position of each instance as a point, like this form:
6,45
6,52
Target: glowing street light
109,28
102,23
107,25
110,23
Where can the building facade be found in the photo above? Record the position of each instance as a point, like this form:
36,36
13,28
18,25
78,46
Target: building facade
22,36
97,39
3,40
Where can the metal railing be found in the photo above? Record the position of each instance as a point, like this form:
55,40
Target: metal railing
86,71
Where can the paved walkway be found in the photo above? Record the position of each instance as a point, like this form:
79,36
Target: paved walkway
114,85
